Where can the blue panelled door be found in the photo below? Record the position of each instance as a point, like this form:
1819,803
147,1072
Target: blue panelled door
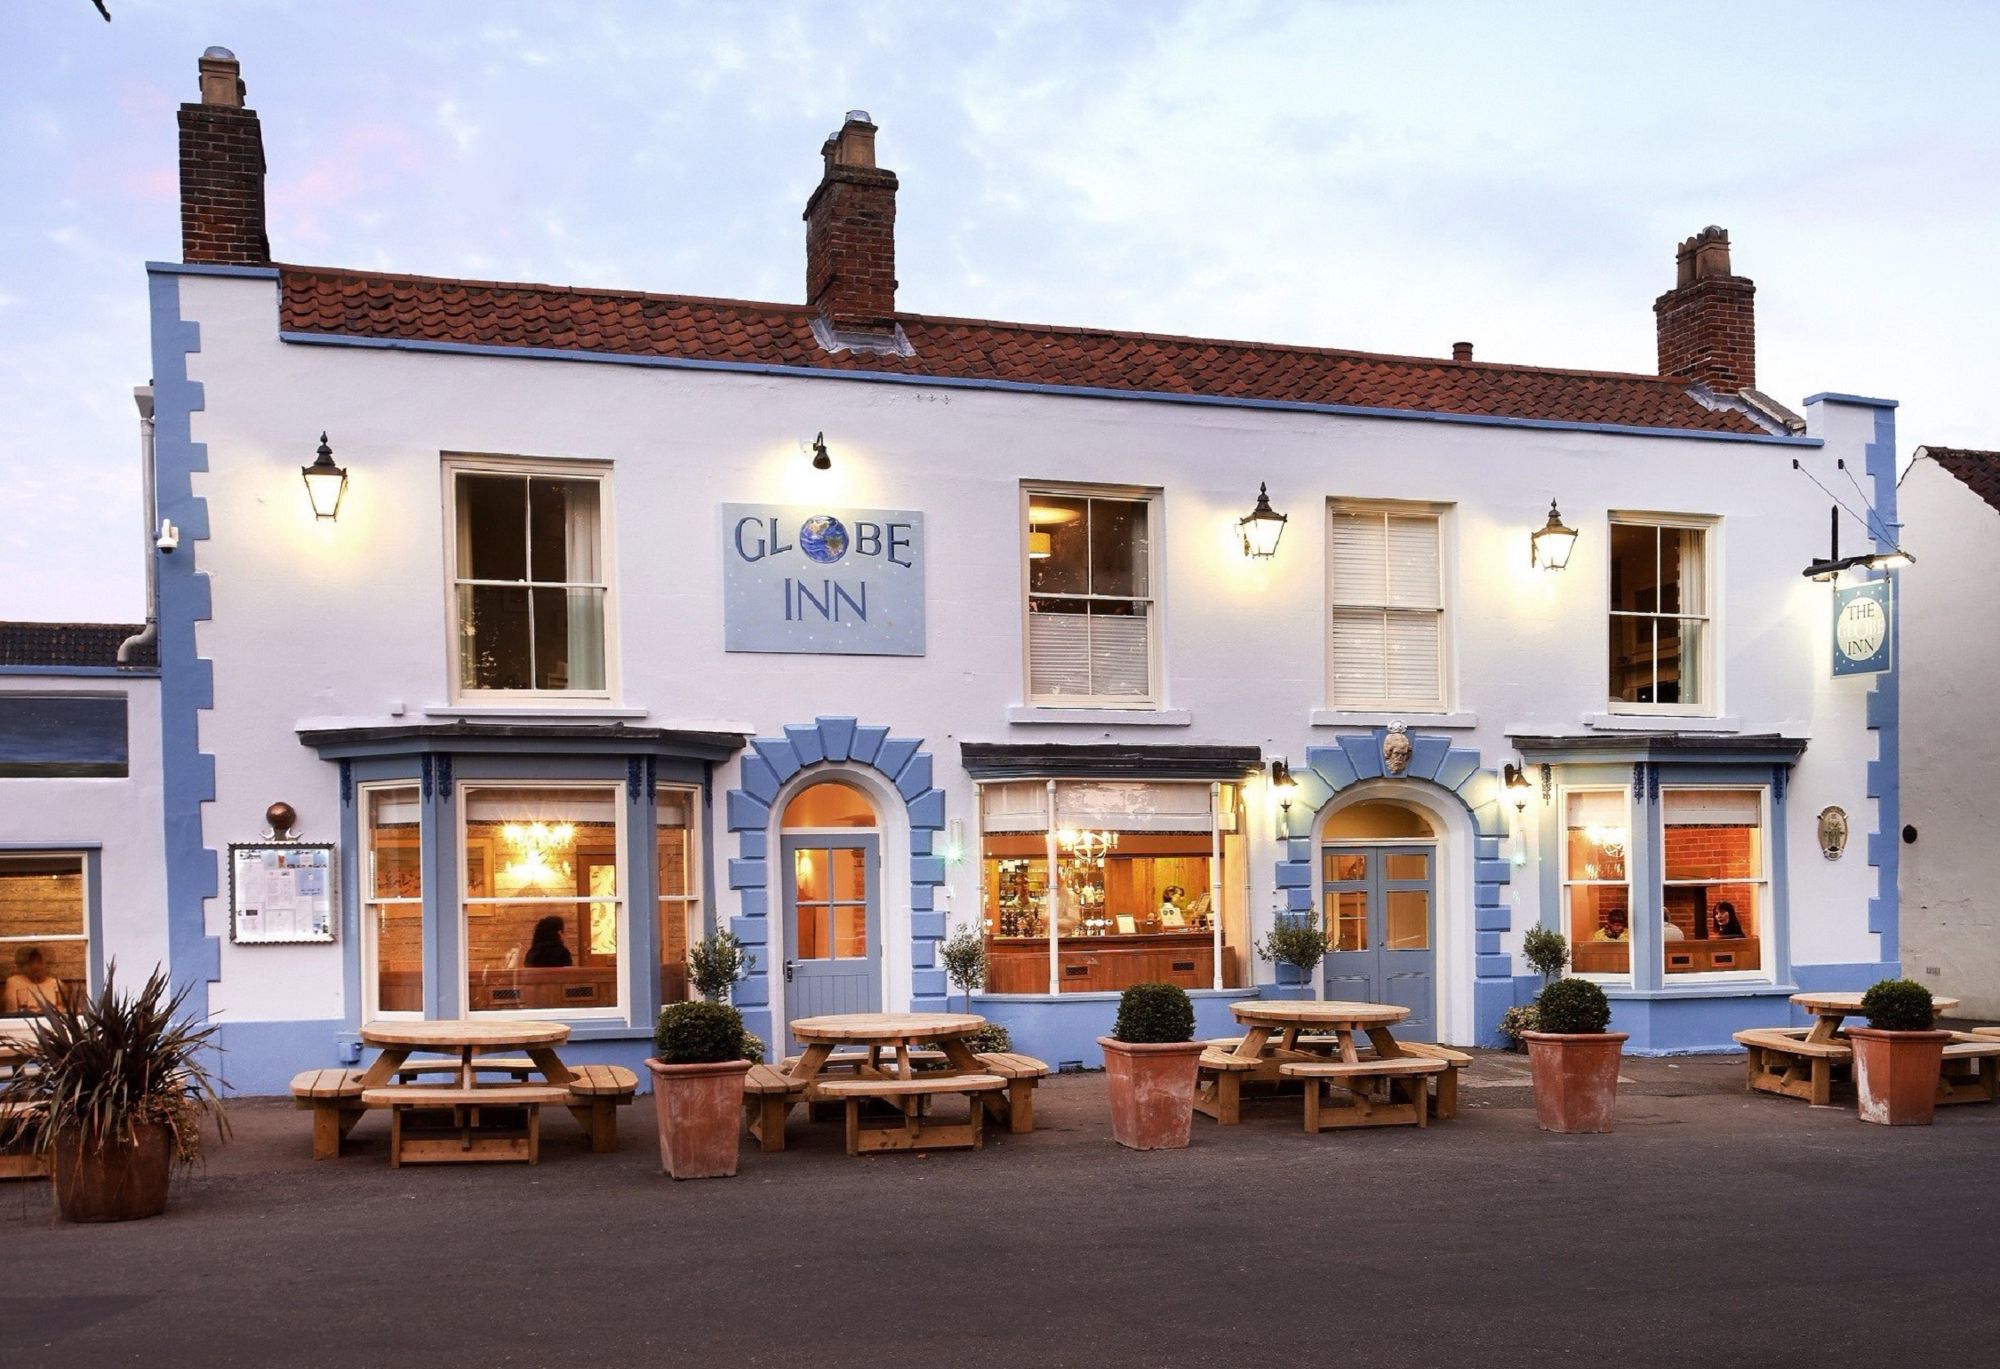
833,923
1381,924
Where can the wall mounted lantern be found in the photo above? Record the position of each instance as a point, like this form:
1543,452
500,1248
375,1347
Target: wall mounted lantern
822,459
1550,545
1518,787
1261,527
326,483
1283,786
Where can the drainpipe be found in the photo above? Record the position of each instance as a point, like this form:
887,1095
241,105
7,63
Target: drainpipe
142,395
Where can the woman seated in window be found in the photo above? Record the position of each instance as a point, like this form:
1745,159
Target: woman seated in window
31,988
1613,929
548,951
1726,923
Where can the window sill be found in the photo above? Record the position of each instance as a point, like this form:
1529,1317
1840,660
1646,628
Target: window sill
1104,996
582,708
1100,717
1660,722
1756,988
1337,717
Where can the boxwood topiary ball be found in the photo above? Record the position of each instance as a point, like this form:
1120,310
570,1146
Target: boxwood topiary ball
1572,1007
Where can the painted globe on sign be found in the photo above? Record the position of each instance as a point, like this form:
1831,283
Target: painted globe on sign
823,538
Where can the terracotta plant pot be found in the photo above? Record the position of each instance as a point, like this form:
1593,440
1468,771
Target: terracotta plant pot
700,1108
1896,1074
1152,1091
1576,1079
123,1182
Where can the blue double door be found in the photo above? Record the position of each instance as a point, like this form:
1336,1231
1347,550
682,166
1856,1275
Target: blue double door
833,923
1381,923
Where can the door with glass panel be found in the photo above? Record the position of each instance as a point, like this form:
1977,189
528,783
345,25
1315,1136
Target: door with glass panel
1381,926
833,923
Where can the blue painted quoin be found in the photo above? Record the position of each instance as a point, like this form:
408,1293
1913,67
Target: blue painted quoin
1436,765
833,744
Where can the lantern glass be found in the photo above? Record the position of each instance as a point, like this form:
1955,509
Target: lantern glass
1261,527
325,487
1552,543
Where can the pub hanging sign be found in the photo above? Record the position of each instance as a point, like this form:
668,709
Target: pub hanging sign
822,581
1861,629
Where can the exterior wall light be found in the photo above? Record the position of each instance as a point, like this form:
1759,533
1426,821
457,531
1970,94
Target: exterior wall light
1518,787
822,460
326,483
1261,527
1283,786
1550,545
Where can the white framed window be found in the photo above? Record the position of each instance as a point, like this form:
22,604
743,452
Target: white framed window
44,931
1597,881
1385,607
530,604
1090,568
1661,629
677,842
392,900
1715,884
542,894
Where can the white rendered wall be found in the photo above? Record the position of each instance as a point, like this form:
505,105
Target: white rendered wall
120,816
347,620
1951,652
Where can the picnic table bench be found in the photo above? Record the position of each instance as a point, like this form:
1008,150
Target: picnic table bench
914,1128
470,1136
18,1160
1370,1086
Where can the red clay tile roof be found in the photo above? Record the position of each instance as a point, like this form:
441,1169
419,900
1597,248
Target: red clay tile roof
70,644
430,309
1977,471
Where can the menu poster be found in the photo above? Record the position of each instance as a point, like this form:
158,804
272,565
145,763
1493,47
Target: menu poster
280,892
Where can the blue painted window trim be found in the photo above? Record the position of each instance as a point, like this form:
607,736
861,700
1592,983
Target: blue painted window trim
92,853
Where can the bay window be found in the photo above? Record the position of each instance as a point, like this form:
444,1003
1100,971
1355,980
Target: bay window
392,899
1093,886
543,897
1715,885
1092,611
44,932
529,592
678,844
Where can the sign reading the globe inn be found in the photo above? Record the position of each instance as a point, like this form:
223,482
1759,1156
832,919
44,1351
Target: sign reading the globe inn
822,581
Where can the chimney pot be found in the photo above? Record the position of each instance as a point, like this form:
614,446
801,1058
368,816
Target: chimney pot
221,79
854,145
1461,351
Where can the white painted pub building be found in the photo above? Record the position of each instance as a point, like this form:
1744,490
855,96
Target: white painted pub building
620,617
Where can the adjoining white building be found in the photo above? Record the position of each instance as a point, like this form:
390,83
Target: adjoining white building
1950,500
841,627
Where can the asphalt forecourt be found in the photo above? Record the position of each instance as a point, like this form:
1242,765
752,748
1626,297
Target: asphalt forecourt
1714,1225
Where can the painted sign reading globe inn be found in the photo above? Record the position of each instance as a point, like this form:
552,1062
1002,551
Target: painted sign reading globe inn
995,657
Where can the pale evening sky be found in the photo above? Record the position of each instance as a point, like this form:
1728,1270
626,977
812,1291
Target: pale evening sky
1384,176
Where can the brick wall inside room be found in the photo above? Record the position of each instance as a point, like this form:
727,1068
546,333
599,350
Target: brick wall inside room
1712,853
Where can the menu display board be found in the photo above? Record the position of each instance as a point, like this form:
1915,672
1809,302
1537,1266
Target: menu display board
280,892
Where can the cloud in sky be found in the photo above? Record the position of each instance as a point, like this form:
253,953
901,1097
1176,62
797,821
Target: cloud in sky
1385,176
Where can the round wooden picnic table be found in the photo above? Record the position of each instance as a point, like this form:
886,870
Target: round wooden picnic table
1310,1012
1832,1008
466,1037
1257,1058
896,1031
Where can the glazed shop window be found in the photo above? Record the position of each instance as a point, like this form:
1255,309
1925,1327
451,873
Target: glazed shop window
544,906
677,841
1091,608
1385,592
529,588
1597,881
1659,616
44,933
1715,887
392,893
1096,886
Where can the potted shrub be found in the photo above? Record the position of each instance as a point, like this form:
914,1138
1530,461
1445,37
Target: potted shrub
1573,1059
1897,1056
716,963
698,1088
1150,1064
115,1093
1298,942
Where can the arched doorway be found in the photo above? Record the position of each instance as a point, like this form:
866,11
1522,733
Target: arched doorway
831,851
1379,895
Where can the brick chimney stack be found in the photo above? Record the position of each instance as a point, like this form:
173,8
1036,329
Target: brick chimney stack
1708,321
222,170
851,234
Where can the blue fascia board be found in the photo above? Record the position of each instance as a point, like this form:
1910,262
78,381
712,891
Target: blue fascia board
1024,387
1836,397
206,268
84,672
